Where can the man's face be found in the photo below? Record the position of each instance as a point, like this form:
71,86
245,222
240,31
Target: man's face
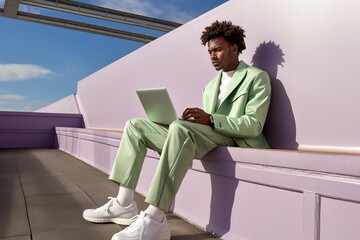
223,55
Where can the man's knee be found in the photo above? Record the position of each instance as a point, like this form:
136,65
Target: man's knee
180,126
132,126
177,123
135,122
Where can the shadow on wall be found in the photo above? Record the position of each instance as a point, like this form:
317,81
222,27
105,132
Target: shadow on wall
222,190
280,127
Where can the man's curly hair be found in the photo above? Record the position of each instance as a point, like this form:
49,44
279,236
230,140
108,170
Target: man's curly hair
231,33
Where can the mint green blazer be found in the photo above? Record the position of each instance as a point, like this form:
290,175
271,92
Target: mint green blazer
242,113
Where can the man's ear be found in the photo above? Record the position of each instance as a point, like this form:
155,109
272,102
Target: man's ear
234,48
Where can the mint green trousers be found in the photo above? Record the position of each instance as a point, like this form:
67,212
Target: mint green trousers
178,144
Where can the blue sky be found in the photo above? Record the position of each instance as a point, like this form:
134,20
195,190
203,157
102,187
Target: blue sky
42,64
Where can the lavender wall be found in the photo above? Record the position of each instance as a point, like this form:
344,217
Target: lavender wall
25,129
309,48
68,104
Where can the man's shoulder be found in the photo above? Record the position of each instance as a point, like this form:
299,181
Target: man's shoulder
249,69
256,72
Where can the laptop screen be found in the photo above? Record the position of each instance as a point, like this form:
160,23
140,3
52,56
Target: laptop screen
157,105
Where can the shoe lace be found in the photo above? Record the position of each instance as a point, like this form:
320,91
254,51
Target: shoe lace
107,205
138,224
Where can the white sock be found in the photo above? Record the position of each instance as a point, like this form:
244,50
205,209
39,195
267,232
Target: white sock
156,213
125,196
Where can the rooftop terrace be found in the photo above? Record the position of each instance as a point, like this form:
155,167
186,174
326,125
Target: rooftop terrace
43,192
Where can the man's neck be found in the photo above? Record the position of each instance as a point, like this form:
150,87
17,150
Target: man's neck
232,67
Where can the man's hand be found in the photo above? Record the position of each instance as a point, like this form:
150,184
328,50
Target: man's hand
196,115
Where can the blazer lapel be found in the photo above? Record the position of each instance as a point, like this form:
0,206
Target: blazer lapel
237,78
214,92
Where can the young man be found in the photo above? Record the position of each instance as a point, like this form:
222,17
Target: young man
235,105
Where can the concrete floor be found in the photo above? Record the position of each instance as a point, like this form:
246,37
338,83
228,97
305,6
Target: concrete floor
44,191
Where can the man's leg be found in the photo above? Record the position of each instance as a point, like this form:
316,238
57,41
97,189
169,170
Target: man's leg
139,135
185,141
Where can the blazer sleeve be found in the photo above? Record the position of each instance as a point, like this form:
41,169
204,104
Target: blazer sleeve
247,117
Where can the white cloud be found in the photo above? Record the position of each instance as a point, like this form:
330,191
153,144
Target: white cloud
11,97
147,8
21,72
12,102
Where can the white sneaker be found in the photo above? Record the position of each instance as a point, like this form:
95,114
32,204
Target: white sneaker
144,228
112,211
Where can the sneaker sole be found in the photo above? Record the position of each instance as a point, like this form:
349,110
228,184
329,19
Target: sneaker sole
120,221
165,236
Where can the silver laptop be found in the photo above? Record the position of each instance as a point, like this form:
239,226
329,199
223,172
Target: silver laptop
157,105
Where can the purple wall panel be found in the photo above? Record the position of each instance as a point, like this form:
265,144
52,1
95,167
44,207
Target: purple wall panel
27,139
342,214
28,129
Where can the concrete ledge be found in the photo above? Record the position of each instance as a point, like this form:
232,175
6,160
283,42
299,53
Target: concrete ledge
29,129
249,193
95,147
